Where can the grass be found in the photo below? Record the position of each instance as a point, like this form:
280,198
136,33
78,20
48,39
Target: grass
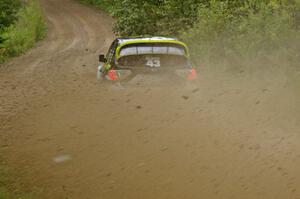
23,35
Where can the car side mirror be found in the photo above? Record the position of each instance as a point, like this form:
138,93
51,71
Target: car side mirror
102,58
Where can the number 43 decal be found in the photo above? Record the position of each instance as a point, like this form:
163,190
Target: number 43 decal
153,62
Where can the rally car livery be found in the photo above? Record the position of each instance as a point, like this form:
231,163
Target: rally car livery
133,58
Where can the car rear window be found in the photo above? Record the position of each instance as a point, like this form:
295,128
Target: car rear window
148,49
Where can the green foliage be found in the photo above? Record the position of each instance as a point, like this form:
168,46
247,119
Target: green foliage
24,33
152,17
163,17
8,10
136,18
253,30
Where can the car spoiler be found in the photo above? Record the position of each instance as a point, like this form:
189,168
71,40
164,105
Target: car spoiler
179,43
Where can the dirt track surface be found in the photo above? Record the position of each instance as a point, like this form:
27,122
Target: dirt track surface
69,137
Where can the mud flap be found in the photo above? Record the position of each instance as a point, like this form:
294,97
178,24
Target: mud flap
99,73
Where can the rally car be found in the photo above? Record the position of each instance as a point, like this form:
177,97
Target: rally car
143,58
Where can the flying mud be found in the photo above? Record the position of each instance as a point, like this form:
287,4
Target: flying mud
67,136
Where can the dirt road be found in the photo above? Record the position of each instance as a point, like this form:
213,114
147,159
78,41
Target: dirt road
69,137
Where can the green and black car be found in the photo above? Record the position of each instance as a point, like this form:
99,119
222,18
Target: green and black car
133,59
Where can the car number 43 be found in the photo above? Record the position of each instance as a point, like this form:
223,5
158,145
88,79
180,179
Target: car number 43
153,62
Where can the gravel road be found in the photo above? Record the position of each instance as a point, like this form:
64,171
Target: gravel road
67,136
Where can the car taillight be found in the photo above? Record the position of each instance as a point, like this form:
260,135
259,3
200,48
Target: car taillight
192,75
112,75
